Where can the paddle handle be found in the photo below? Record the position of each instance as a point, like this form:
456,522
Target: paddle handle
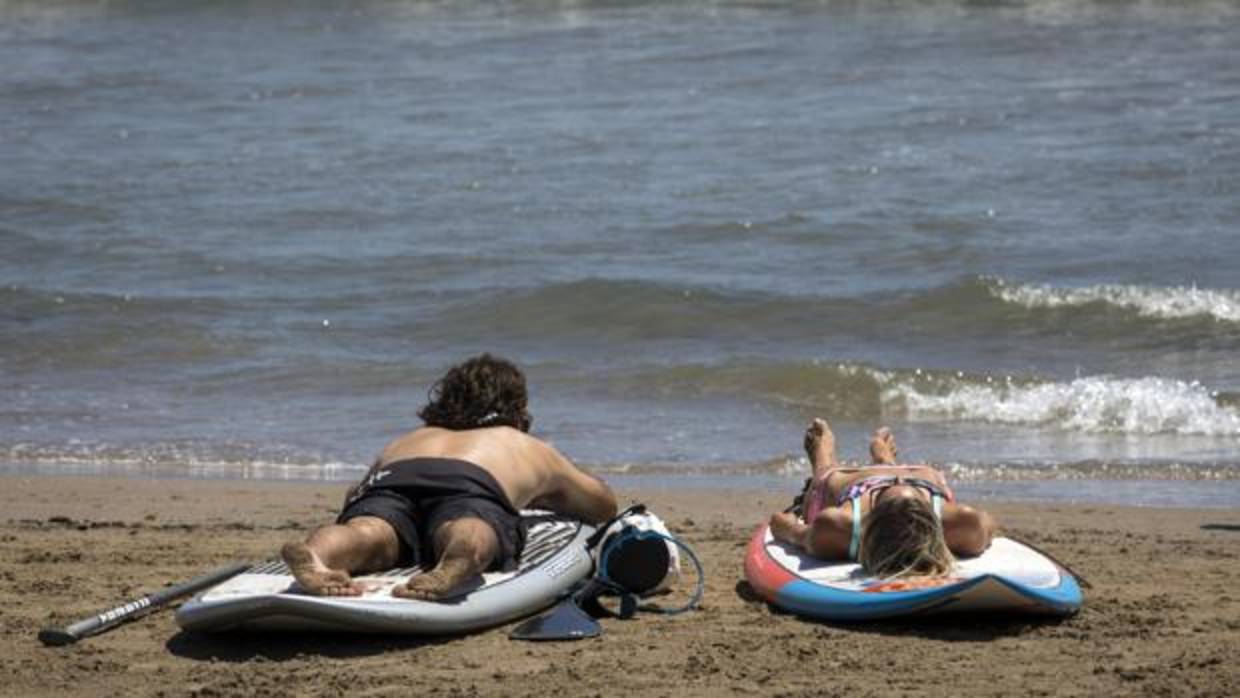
113,617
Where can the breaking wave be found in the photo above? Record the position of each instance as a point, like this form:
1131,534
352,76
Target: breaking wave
1147,405
1165,303
1100,404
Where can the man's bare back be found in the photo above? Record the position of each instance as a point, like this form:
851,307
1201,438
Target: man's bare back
532,473
450,492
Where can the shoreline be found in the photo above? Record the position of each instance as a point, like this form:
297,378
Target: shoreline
1162,615
1153,492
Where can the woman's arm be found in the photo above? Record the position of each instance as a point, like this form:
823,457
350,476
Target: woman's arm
826,538
968,531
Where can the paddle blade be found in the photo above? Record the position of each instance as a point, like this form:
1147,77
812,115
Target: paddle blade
565,621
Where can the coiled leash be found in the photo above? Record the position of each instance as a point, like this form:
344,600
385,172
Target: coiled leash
631,562
628,567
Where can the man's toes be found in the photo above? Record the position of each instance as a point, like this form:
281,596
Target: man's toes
340,584
417,591
337,578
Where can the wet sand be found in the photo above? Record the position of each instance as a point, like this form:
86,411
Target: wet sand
1162,618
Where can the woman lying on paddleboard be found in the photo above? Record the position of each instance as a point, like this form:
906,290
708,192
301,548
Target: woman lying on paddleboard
896,520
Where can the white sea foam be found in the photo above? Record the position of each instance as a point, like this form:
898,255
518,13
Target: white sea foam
170,460
1165,302
1094,404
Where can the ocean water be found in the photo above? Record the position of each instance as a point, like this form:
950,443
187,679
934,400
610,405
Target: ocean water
241,239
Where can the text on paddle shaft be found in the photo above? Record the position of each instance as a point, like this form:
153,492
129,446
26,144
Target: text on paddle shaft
122,611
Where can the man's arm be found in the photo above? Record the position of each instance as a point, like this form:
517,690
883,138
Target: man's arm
575,493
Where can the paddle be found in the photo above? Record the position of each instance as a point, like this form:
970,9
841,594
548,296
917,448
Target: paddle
128,611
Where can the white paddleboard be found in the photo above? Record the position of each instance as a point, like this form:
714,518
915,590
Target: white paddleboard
266,597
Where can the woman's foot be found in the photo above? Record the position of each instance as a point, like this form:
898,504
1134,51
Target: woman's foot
820,447
883,447
313,576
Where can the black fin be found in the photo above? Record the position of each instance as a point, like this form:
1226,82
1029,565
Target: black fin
565,621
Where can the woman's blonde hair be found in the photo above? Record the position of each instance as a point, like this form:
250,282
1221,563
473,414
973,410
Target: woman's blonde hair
903,538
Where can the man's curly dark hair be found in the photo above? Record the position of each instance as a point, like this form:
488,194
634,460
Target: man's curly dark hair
483,391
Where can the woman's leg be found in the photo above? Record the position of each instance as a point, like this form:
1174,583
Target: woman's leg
820,448
883,447
815,537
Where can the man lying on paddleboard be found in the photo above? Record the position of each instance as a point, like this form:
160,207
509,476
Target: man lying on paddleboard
450,493
896,520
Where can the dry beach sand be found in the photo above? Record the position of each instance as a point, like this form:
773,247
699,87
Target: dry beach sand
1162,618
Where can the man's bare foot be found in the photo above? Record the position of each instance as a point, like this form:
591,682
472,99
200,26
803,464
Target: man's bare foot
883,447
820,446
436,584
313,576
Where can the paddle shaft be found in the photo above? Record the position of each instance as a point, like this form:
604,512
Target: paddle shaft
138,607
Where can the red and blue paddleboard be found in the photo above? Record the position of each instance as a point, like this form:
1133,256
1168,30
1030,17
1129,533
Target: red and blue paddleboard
1009,577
